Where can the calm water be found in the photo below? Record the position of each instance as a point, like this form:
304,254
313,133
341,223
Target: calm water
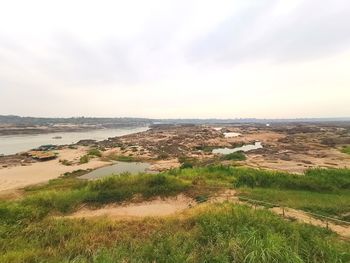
244,148
19,143
118,168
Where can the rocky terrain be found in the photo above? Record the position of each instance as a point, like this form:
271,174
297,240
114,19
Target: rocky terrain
290,147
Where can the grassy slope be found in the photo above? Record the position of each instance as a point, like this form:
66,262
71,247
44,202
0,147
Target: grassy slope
218,233
332,204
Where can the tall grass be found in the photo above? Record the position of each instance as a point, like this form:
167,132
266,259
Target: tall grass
331,204
64,195
215,233
320,180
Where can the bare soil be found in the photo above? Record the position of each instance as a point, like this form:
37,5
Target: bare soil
154,208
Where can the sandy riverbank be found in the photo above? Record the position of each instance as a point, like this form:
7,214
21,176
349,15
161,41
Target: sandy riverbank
40,172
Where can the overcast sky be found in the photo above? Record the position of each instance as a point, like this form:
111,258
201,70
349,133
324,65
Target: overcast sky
170,59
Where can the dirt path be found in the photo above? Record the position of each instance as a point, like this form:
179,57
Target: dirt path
153,208
301,216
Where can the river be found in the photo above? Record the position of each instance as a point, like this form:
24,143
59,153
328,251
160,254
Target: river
11,144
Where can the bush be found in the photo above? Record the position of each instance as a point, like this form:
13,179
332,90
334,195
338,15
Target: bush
186,165
346,149
236,156
84,159
95,152
187,162
65,162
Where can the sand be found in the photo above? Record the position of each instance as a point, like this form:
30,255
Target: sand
154,208
41,172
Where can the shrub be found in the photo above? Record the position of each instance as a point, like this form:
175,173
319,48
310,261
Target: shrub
236,156
84,159
346,149
95,152
65,162
186,165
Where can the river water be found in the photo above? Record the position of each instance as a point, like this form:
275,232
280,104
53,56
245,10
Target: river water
11,144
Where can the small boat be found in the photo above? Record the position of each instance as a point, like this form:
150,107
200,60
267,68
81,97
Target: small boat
57,137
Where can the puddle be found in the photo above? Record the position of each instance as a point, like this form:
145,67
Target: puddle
117,168
244,148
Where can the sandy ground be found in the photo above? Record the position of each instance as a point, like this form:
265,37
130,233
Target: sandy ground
303,217
163,165
157,207
300,162
21,176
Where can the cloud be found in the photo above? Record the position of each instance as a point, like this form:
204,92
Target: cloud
312,29
174,58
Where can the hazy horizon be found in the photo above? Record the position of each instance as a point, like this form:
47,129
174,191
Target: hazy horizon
175,59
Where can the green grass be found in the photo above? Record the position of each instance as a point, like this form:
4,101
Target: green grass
95,152
122,158
84,159
330,204
236,156
217,233
91,154
64,195
319,180
346,149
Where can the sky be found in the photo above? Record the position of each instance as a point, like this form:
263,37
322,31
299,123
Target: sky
175,59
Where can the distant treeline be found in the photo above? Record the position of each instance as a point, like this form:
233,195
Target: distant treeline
17,120
28,121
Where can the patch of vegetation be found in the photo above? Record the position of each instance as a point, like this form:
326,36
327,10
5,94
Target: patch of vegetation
84,159
65,194
95,152
236,156
187,162
123,158
346,149
331,204
206,148
216,233
319,180
213,233
65,162
318,190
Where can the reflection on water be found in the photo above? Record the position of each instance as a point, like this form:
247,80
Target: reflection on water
18,143
244,148
117,168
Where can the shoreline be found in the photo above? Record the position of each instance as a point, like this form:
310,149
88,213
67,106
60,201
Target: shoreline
287,148
19,143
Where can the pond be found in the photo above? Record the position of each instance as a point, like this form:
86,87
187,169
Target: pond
244,148
117,168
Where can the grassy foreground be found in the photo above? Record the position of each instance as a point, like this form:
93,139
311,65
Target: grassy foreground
220,233
212,233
